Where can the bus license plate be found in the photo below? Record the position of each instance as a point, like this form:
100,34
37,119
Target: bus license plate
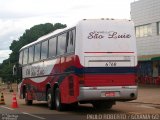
109,94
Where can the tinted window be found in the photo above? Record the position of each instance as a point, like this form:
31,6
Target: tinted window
144,30
44,50
158,28
20,57
61,49
70,41
52,47
31,54
25,56
37,52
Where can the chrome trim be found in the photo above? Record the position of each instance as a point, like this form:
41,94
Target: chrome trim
96,93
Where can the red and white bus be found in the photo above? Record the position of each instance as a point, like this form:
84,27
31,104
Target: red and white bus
93,62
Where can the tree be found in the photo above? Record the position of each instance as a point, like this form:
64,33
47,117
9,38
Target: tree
28,36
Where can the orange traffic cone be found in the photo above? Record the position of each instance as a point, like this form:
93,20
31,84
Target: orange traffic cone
14,102
2,100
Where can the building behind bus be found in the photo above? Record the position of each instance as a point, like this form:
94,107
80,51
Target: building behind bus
146,17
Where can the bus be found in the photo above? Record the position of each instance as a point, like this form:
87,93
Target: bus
92,62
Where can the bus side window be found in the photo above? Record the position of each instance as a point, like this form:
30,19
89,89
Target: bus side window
20,58
52,47
44,50
25,56
37,52
61,49
31,54
74,39
67,41
71,41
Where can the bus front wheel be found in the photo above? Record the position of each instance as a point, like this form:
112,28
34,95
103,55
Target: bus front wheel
59,106
50,99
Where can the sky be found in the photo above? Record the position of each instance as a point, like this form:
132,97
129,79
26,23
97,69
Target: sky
18,15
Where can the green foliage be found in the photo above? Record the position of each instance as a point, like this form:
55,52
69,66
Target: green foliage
6,71
28,36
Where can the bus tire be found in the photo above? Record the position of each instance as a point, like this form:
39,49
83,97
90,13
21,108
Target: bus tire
28,102
50,99
58,105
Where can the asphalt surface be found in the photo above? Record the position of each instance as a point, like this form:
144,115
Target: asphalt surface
146,107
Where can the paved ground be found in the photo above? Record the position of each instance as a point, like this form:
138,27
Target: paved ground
149,94
148,103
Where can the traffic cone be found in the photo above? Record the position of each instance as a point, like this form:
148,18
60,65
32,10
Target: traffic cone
2,100
14,102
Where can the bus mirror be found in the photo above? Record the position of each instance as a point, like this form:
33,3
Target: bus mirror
14,70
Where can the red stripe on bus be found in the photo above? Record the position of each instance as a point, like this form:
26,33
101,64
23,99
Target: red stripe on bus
108,52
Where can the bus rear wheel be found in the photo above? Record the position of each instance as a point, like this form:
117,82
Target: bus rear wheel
50,99
28,102
59,106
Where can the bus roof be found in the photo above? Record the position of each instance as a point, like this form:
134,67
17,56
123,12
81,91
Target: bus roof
45,37
61,30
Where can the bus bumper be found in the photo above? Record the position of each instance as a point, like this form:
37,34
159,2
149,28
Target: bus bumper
116,93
